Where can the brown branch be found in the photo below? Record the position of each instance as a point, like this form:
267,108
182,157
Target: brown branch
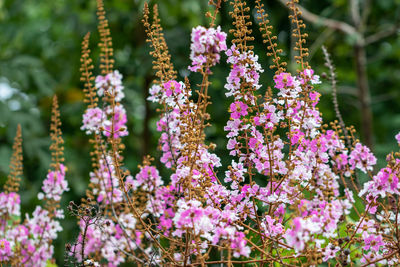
381,34
319,20
355,13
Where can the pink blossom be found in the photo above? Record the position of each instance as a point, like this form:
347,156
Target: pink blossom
206,45
5,250
294,235
238,244
117,124
112,84
147,179
361,158
373,242
296,137
384,182
10,204
55,184
398,138
92,120
284,80
330,252
272,227
314,96
245,68
309,76
172,88
238,109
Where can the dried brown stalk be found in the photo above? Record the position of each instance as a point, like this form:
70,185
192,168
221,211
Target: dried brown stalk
16,167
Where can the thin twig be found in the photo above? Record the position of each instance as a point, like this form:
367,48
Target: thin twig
329,64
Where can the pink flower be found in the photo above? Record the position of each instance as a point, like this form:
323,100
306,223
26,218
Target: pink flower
55,184
272,227
384,182
239,245
361,158
294,235
373,242
330,252
238,109
112,84
245,69
398,138
369,257
147,179
232,146
172,88
314,96
206,45
10,204
296,137
341,161
5,250
92,120
284,80
119,128
309,76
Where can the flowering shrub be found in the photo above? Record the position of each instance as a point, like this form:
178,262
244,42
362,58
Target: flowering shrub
290,196
28,241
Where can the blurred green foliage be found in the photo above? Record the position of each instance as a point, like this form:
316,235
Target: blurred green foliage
40,51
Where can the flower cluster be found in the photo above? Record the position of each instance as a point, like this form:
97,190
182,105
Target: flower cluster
28,240
207,44
10,204
174,95
55,184
112,119
305,201
109,239
34,236
245,69
361,158
291,194
110,85
5,250
92,120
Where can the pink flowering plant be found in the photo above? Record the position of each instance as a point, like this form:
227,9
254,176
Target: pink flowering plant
289,197
27,240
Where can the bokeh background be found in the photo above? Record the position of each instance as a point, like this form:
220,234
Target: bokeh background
39,57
